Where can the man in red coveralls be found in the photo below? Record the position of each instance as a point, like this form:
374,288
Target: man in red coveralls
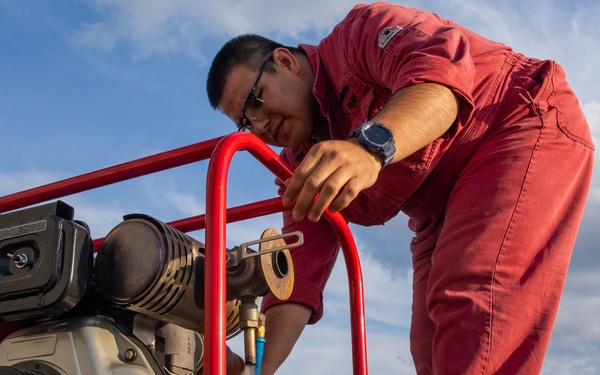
486,150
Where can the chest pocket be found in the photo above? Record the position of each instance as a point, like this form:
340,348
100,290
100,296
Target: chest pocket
360,102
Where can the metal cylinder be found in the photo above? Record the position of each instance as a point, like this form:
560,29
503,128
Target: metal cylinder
156,270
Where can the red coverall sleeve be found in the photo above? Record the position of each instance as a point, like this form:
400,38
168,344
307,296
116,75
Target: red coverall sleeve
312,262
392,47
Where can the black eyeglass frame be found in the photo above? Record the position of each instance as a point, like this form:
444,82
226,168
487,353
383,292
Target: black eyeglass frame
247,123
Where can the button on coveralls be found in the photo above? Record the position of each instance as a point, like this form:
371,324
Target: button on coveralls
495,203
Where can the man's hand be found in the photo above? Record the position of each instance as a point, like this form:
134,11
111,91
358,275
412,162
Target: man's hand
235,363
336,171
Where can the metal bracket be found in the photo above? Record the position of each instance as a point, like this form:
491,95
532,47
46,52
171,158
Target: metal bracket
236,255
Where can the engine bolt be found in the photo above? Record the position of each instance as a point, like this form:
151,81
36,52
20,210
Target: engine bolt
130,355
21,260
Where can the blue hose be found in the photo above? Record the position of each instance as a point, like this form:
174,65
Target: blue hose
260,345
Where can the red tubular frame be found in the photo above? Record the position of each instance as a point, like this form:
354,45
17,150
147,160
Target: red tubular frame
220,151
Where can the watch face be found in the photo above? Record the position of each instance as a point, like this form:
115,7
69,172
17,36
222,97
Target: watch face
377,135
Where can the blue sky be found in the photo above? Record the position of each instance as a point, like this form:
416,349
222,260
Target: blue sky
92,83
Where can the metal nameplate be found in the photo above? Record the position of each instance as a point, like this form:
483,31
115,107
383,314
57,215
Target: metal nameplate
21,230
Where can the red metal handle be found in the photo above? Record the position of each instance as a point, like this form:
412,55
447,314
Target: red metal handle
215,291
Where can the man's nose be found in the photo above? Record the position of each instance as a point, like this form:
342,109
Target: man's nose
261,126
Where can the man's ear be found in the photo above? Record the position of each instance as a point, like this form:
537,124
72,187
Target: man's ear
285,59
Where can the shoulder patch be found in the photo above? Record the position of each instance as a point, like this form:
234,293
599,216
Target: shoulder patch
386,35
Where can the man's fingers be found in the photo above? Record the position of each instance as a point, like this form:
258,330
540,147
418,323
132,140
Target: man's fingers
346,196
295,184
320,182
329,190
331,175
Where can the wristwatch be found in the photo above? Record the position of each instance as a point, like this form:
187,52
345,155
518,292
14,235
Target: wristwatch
377,139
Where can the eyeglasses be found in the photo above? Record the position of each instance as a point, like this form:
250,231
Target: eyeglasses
255,109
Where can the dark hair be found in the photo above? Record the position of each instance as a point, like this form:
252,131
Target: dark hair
249,49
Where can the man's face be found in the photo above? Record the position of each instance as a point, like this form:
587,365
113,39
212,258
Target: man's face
288,114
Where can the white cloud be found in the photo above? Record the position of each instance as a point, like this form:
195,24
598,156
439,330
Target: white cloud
101,217
148,27
187,204
100,35
574,347
578,316
592,114
569,364
13,182
163,28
